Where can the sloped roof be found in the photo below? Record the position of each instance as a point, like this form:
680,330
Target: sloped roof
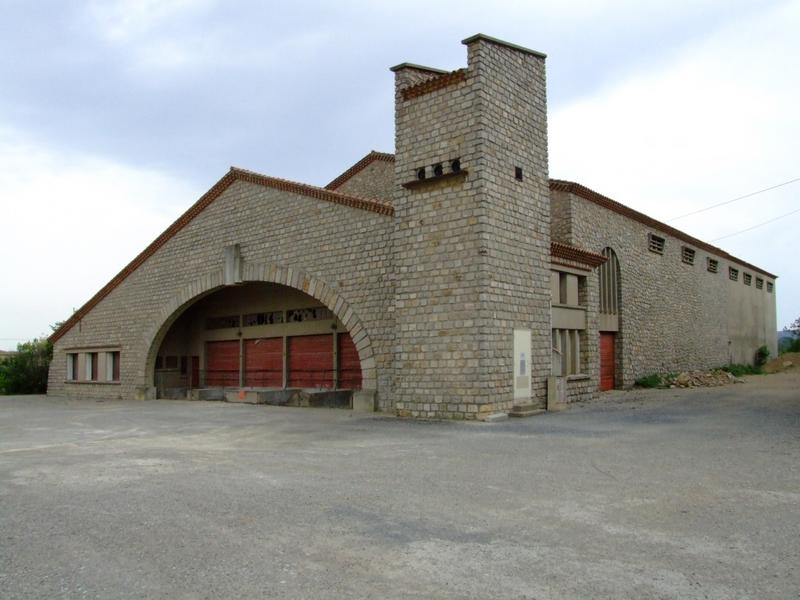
205,200
575,254
358,167
625,211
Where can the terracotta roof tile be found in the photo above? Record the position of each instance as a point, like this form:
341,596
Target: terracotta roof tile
575,254
358,167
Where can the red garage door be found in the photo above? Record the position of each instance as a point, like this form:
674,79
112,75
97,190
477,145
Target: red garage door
222,363
607,353
349,364
311,361
263,362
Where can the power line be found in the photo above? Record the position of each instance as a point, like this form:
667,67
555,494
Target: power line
734,200
756,226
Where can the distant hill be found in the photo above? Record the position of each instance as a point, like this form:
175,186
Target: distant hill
784,334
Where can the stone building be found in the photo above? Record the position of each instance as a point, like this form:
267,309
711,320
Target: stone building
451,279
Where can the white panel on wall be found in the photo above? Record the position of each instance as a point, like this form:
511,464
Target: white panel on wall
522,363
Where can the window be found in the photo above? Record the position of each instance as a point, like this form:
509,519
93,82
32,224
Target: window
655,244
267,318
712,265
759,283
748,279
566,351
687,255
171,362
222,322
91,366
159,362
733,274
299,315
72,367
112,366
769,286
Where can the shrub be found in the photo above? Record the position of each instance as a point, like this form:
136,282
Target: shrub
739,370
26,371
649,381
762,355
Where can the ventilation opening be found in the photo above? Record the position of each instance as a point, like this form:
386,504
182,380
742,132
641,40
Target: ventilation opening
518,173
438,170
421,173
455,165
655,244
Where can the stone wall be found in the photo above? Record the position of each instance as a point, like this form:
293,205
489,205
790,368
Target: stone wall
337,254
472,249
674,316
376,180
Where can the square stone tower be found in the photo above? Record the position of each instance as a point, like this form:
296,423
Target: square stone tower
472,234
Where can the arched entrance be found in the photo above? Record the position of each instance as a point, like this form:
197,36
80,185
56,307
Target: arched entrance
609,322
278,330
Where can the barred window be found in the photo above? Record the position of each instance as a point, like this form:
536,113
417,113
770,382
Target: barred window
266,318
655,244
759,283
733,274
712,265
770,286
748,279
566,351
687,255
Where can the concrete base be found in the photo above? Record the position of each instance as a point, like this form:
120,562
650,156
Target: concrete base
364,400
526,410
496,417
145,392
556,393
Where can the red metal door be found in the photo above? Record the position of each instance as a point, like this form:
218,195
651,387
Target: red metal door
311,361
263,362
222,363
349,364
607,356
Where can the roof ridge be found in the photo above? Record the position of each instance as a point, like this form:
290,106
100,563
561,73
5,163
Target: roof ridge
359,166
575,253
201,204
626,211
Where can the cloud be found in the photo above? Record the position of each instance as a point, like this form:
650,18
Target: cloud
715,123
71,222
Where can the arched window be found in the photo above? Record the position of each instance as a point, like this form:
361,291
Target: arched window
609,284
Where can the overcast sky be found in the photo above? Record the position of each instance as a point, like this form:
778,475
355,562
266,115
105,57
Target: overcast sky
116,116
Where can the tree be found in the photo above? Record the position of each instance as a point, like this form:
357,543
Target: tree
792,344
26,371
794,328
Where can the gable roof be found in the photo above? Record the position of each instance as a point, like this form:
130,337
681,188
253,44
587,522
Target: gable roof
358,167
575,254
205,200
625,211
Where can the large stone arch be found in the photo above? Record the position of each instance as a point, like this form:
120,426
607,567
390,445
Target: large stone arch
268,273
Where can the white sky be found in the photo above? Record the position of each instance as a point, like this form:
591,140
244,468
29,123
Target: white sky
116,116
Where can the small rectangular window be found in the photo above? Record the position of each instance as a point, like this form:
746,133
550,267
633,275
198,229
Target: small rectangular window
655,244
759,283
72,367
712,265
769,286
687,255
733,274
227,322
91,366
748,279
112,366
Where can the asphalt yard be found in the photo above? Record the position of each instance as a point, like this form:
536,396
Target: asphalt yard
654,494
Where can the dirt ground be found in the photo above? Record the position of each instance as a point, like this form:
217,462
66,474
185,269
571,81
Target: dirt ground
778,364
647,494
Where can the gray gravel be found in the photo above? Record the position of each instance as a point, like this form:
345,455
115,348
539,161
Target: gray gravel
665,494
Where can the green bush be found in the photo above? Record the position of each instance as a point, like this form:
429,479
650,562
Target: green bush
649,381
739,370
762,355
26,371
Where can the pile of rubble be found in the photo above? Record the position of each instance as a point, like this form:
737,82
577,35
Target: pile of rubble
689,379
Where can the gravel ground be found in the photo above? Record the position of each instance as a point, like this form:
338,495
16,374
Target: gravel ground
647,494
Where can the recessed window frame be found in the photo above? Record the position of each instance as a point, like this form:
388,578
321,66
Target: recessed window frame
759,283
770,287
747,279
72,366
688,255
733,274
712,265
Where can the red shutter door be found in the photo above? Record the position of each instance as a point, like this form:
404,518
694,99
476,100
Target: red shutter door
311,361
349,364
263,362
222,363
607,354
